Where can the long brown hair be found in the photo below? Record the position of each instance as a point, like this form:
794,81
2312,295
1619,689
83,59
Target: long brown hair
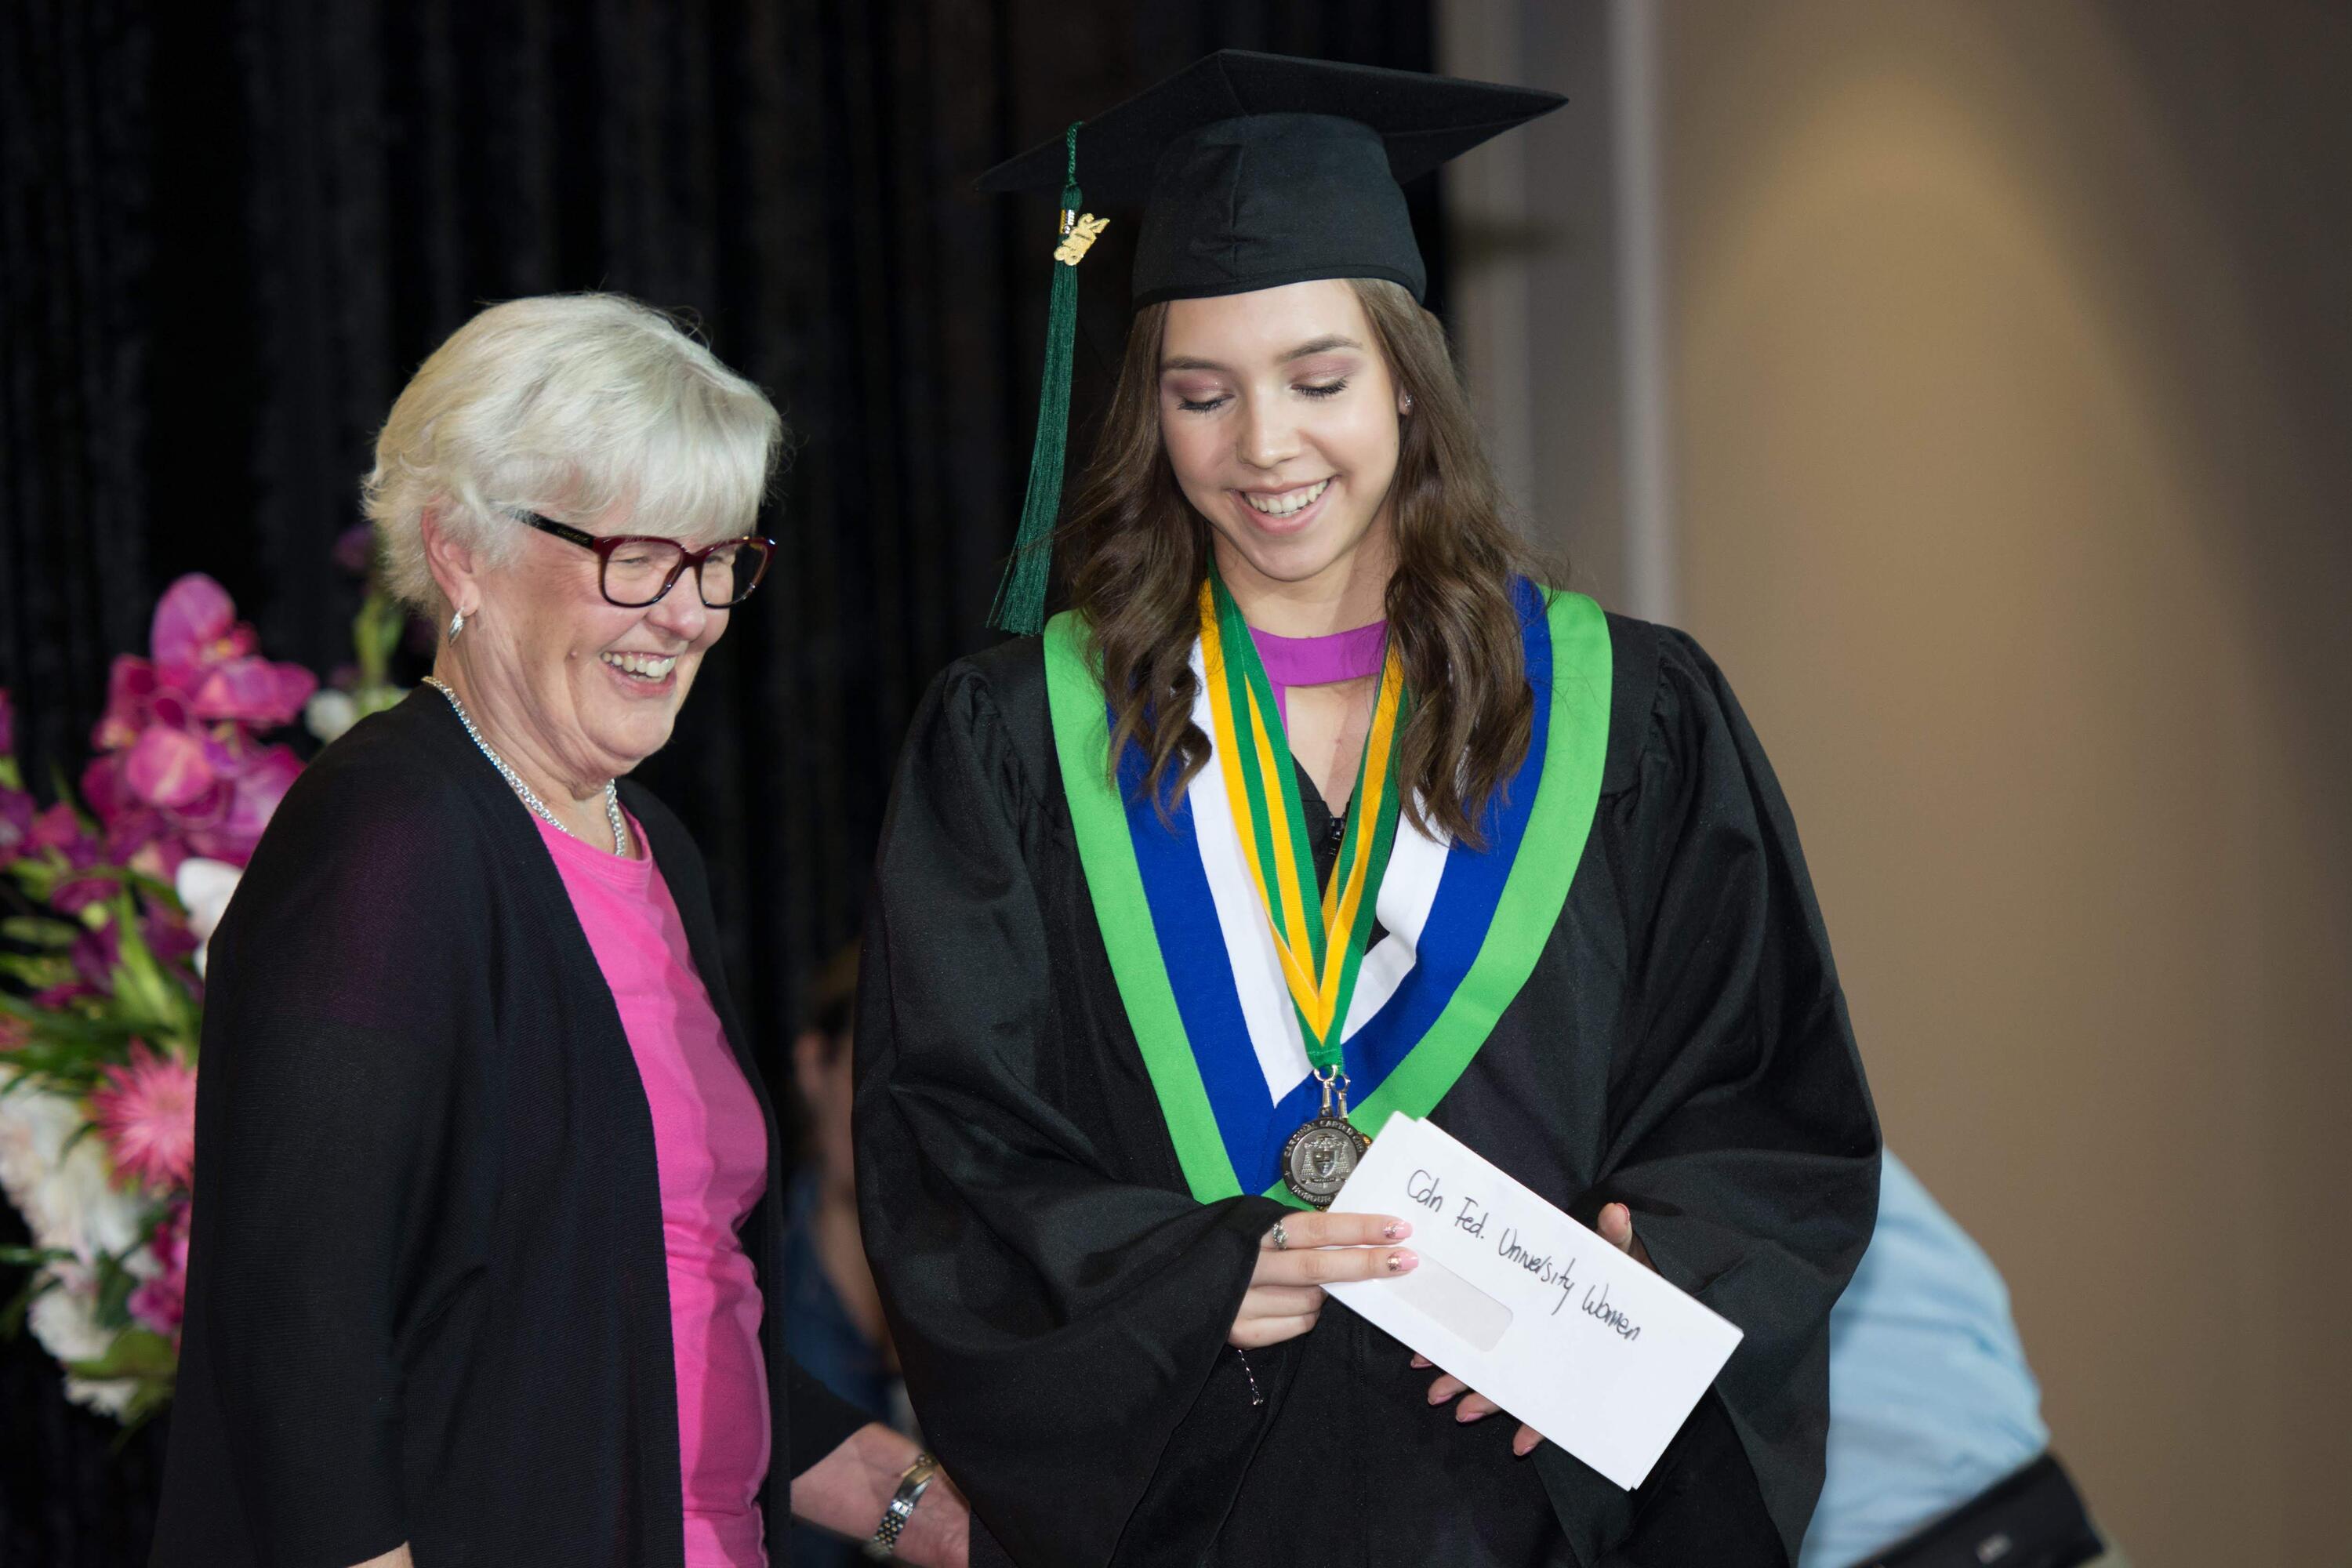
1137,553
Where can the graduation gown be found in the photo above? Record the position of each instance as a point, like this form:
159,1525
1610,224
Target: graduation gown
1060,1300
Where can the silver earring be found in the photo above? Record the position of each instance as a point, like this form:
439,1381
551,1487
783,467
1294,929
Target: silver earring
457,625
1408,403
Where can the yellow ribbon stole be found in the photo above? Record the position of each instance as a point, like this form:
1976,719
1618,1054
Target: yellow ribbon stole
1312,937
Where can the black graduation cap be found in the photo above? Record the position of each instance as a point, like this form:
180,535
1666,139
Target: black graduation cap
1253,171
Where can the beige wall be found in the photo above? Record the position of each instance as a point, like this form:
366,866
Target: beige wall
2010,381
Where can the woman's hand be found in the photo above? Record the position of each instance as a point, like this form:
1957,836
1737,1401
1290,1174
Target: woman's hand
848,1489
1303,1253
1617,1230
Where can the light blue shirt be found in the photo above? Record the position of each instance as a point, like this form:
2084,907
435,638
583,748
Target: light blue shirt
1930,1398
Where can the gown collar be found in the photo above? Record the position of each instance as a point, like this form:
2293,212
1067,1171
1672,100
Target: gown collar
1316,661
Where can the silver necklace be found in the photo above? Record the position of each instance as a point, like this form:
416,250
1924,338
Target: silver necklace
529,796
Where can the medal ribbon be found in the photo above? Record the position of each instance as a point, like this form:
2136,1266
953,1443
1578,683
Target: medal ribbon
1320,941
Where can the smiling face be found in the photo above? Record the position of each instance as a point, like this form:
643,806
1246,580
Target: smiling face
1280,419
588,687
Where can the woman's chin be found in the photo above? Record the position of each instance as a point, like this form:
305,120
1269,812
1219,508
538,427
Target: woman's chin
627,739
1292,558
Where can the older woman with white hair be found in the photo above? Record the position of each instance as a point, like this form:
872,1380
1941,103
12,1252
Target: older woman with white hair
487,1193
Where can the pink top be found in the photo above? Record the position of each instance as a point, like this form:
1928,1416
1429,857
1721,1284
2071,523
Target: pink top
710,1147
1319,661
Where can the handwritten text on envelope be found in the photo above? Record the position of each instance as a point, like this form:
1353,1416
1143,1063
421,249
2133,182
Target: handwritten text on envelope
1529,1307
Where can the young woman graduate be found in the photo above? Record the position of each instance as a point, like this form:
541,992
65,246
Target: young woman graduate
1130,983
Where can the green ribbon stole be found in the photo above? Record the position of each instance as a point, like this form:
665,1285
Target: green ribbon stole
1534,890
1318,933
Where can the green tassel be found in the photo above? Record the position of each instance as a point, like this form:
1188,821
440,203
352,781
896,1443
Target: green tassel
1020,605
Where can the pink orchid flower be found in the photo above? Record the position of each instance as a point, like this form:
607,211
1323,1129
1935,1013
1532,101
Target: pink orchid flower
130,688
254,691
167,932
58,828
169,768
137,834
161,1302
18,810
260,783
194,628
180,772
204,668
95,954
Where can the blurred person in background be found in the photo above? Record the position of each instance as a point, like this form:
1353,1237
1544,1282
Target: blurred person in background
488,1206
1106,1053
1938,1454
833,1315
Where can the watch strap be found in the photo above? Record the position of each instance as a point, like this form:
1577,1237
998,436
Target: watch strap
912,1482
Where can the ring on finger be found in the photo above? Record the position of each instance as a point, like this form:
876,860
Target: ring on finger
1281,1238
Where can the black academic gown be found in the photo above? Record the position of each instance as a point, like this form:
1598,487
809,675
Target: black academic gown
1061,1301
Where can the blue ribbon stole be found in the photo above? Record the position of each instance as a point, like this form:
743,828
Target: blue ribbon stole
1254,1123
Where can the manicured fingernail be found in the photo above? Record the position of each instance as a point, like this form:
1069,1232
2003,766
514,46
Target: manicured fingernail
1421,1360
1402,1262
1466,1415
1524,1444
1397,1229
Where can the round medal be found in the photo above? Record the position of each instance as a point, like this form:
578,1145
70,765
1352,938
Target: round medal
1321,1157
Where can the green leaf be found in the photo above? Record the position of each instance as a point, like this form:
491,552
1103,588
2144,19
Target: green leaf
370,699
99,1030
136,1353
376,634
148,996
146,1404
64,791
49,934
115,1284
36,972
71,1075
37,875
34,1256
12,1316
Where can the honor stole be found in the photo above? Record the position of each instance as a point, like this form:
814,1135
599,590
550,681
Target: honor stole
1231,1011
1320,939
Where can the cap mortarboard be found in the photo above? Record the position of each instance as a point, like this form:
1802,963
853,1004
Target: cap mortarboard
1253,171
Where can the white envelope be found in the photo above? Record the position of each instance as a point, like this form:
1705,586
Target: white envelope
1540,1315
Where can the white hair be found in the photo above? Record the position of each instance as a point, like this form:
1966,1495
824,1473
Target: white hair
570,405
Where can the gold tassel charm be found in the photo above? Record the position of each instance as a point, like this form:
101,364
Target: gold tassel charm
1079,232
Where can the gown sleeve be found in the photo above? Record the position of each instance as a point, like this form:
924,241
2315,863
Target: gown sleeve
330,1213
1740,1130
1057,1315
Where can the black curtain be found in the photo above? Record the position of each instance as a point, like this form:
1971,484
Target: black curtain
229,231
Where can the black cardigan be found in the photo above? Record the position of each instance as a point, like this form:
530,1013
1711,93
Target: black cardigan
427,1299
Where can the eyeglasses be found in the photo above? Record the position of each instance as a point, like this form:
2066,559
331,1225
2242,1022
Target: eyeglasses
634,570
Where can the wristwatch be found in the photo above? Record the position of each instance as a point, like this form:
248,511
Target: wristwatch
912,1480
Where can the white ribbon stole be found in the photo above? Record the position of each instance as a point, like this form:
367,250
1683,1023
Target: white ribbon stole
1416,862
